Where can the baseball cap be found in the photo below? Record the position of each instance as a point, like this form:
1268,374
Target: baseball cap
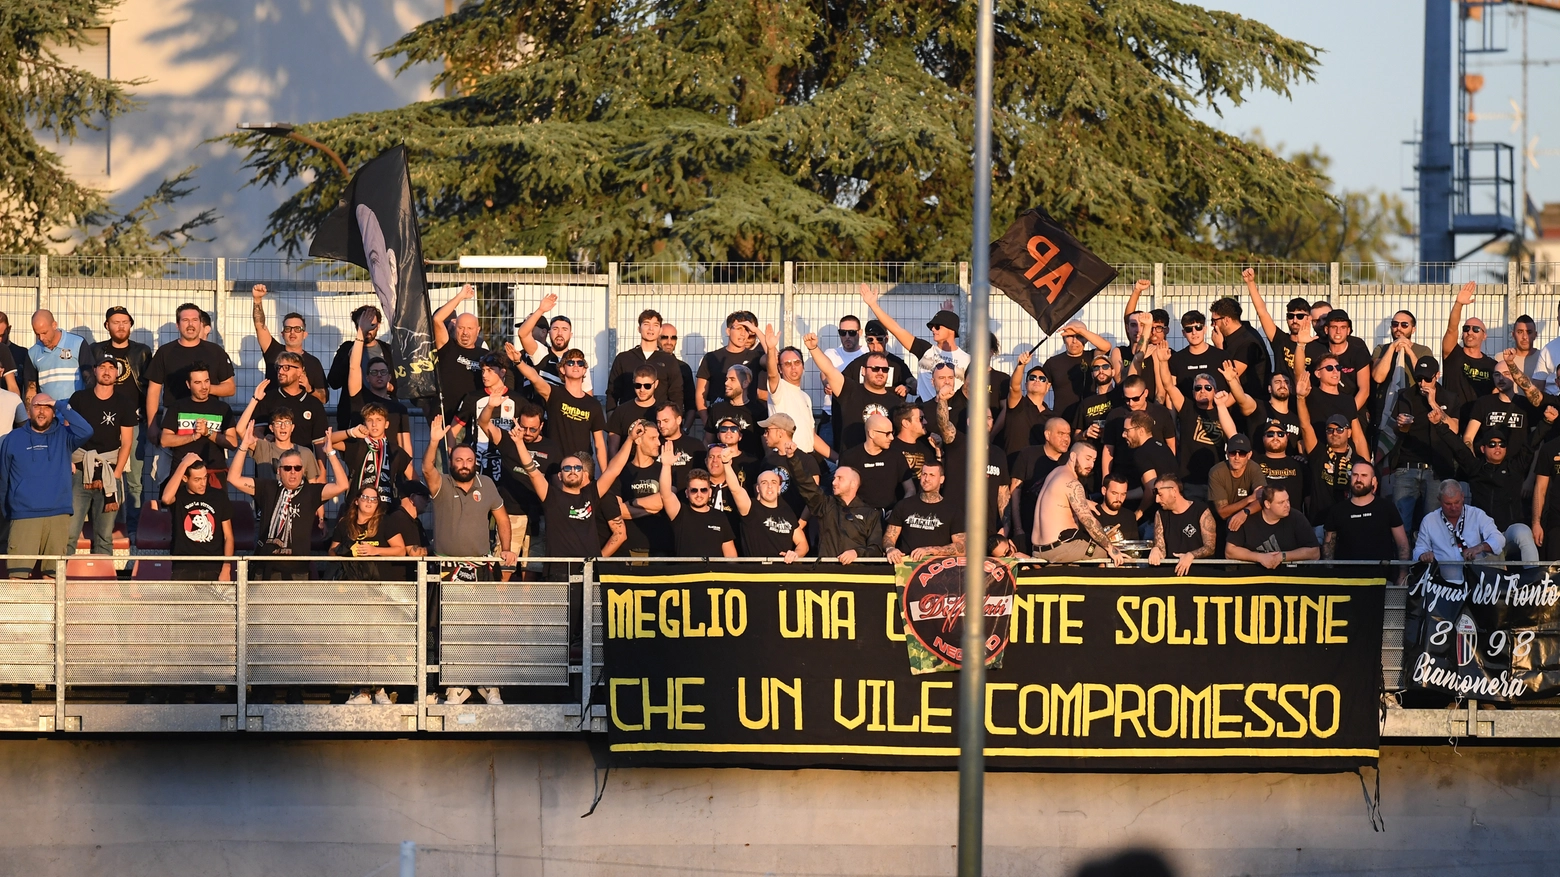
1239,442
1338,420
114,358
118,309
1338,315
876,329
944,318
1426,368
780,419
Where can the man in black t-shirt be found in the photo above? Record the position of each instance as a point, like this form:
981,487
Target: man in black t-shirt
287,507
1241,347
1205,422
1278,409
295,330
1113,510
363,348
770,528
1279,466
1197,357
199,422
901,378
926,525
1089,420
375,389
202,522
575,419
742,348
853,402
697,529
883,472
1319,404
98,466
1350,354
642,407
1367,527
168,379
1277,535
1330,464
133,359
739,405
1467,370
459,353
1289,343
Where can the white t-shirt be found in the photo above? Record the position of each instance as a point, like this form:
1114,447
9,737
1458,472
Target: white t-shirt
11,402
840,359
791,399
957,356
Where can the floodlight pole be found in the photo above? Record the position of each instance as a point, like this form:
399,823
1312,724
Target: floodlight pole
972,672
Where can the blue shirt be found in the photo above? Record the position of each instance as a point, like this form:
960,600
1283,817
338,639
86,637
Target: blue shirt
59,370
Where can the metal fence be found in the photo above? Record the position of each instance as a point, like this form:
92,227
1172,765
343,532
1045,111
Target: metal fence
797,297
121,645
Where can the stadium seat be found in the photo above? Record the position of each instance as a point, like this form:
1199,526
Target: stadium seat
90,567
156,531
158,570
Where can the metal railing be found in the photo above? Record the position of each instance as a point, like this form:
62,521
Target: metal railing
122,646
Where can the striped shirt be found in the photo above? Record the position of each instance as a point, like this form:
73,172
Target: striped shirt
59,370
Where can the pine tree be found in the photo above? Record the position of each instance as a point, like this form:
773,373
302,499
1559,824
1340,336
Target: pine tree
812,129
42,209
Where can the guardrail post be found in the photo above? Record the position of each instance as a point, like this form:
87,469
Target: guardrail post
587,636
1334,283
787,303
964,290
1158,289
422,645
43,282
241,643
59,644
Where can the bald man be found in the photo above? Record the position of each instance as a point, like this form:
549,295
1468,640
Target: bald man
847,527
1464,366
460,353
886,477
57,357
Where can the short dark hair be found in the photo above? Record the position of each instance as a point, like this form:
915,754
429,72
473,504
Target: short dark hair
1299,303
378,360
646,371
794,349
1117,478
1194,316
901,415
1133,382
529,409
1526,319
676,409
294,315
1225,307
198,365
649,314
187,306
1413,320
1271,492
289,356
852,317
358,313
1140,420
699,475
283,412
1159,315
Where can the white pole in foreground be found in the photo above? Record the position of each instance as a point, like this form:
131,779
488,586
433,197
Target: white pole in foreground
408,858
972,673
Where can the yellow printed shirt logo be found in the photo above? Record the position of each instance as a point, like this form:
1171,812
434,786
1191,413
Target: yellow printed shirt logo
572,413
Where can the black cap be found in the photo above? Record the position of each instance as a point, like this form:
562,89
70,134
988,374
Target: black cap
1338,315
409,487
876,329
1338,420
944,318
118,309
1426,369
1494,432
110,357
1238,442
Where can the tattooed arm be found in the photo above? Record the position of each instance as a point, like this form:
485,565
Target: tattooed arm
1078,504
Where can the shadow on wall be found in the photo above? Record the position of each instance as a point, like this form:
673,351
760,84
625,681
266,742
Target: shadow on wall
218,63
1128,863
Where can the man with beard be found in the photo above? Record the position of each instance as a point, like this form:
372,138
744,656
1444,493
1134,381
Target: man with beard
649,528
780,432
1503,408
1524,334
1367,527
642,407
885,475
1330,463
1425,417
925,526
1242,351
1115,454
1065,529
99,464
1205,424
1183,528
697,529
1349,352
1402,352
847,527
1278,410
1280,465
560,335
287,507
854,402
1495,479
901,378
574,507
291,392
769,527
1069,378
1112,511
170,367
132,358
1468,370
667,343
689,451
1150,458
1276,535
1291,345
295,330
738,404
1318,404
1027,411
1092,411
460,353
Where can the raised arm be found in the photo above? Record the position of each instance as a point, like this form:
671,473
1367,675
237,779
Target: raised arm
1016,380
236,476
1077,327
355,365
614,467
1138,288
171,489
771,342
542,387
441,335
1243,401
430,464
833,378
1170,394
870,297
527,330
739,495
339,482
1271,328
247,418
1450,340
263,335
669,501
1302,389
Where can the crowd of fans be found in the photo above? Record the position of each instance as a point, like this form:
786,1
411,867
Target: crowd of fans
1253,442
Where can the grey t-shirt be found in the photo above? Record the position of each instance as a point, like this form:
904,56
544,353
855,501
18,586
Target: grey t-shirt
266,454
460,518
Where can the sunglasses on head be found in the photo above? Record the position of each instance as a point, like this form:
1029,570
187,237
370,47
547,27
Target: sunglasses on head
571,467
371,497
1473,328
580,363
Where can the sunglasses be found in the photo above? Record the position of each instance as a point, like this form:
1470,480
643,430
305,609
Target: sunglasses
1099,368
379,373
1337,429
571,468
1138,398
1202,388
1473,329
1299,315
849,333
668,337
881,432
371,497
789,362
579,363
1327,368
1239,453
877,369
1402,324
881,339
641,385
1495,443
728,427
292,328
1275,433
698,490
290,468
1038,378
1191,327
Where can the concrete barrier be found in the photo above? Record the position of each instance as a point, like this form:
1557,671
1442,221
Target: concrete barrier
340,808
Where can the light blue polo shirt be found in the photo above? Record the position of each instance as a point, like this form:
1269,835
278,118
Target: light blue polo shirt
59,370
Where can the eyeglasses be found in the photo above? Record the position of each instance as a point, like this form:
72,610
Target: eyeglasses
698,490
1202,388
1327,368
641,385
785,363
379,373
849,333
578,363
571,468
1099,368
371,497
1495,443
882,432
668,337
292,328
1337,429
1472,328
1191,327
1037,378
728,427
290,468
1274,433
1299,315
877,369
1402,324
881,339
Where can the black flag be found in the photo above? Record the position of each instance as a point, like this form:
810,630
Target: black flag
376,227
1046,270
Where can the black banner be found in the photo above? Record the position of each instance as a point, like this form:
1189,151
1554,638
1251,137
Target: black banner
376,228
1493,637
1105,670
1037,264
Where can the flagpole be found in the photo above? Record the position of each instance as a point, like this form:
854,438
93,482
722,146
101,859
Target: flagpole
972,672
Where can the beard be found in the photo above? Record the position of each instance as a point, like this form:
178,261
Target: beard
463,473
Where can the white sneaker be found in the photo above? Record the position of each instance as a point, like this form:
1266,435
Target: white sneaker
453,696
380,697
359,698
491,695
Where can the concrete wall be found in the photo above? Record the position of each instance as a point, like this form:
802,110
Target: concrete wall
510,807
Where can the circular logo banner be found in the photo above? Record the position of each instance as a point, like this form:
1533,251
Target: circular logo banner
934,607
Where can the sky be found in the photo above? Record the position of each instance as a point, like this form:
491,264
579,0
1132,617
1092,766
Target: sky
1365,99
